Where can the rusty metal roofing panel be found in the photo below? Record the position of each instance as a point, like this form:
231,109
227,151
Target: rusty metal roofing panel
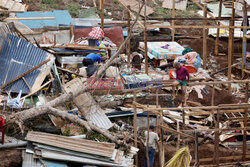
80,145
16,57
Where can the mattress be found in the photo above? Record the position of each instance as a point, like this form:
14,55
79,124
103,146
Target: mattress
155,51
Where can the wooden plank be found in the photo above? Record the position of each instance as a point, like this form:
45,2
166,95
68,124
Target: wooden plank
176,132
195,26
30,18
25,73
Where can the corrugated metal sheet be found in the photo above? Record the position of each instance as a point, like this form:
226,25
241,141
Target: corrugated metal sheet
87,105
18,56
80,145
13,5
62,17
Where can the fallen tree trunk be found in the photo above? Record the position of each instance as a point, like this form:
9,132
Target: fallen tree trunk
48,108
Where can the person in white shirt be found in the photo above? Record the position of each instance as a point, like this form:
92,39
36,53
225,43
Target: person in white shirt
153,142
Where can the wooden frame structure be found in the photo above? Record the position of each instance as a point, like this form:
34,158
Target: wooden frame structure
215,110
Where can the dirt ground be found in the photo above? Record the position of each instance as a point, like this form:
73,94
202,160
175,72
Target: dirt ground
10,158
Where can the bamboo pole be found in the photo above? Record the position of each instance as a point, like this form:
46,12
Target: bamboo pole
102,14
128,45
205,32
135,128
218,31
245,124
145,38
173,16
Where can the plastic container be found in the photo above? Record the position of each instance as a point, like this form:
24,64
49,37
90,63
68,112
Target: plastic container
191,69
93,42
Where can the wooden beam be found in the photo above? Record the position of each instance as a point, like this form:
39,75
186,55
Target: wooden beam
25,73
145,39
135,127
218,31
129,29
173,16
205,32
102,14
176,132
30,18
244,40
194,26
245,124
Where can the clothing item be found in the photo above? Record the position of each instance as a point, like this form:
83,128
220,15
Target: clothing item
94,57
187,50
151,156
182,83
153,138
91,69
87,62
182,74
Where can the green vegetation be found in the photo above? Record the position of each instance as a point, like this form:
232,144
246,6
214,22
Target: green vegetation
73,9
47,1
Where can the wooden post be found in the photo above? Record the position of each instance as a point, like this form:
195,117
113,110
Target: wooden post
128,45
233,14
230,48
245,125
135,128
162,141
173,21
218,31
244,41
196,149
205,32
179,136
148,164
145,39
157,105
216,143
212,102
102,14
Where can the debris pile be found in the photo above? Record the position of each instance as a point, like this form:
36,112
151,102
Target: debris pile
90,91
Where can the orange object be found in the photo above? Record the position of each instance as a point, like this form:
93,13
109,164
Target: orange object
172,74
191,69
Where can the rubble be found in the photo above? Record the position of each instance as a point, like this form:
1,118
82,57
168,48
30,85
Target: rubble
98,118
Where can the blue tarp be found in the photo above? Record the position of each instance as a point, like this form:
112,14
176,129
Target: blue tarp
62,17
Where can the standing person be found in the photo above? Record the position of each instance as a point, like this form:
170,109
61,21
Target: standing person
153,141
182,77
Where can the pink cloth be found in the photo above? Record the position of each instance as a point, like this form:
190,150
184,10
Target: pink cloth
190,57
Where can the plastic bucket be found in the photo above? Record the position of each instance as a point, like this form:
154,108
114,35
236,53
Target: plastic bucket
93,42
